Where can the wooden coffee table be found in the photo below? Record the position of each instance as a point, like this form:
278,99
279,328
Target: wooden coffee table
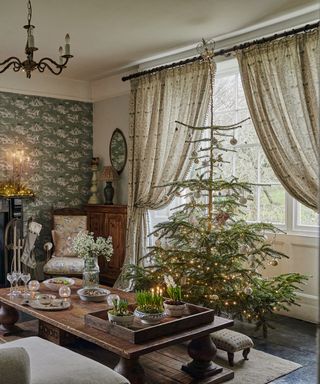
61,327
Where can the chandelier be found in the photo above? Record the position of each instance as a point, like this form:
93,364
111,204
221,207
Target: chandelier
29,64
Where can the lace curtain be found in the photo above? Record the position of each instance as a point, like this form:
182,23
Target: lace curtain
281,85
158,152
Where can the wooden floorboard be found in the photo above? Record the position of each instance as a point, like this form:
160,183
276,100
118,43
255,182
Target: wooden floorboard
164,366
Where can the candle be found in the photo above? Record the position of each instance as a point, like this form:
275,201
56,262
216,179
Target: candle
64,292
67,45
19,255
30,39
60,55
14,248
152,291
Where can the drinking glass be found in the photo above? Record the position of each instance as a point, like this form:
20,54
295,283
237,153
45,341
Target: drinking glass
17,276
25,277
11,279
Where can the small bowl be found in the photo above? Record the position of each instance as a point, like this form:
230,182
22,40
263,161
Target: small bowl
45,299
93,294
56,283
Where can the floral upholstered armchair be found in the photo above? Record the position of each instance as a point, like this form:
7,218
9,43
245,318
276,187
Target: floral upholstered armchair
60,257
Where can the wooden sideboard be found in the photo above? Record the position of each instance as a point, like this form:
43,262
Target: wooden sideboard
109,220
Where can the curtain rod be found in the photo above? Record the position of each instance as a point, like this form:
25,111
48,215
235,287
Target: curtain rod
222,52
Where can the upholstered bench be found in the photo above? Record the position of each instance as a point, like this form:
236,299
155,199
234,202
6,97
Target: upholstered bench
231,342
37,361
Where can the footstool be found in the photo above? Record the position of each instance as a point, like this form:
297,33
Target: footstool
231,342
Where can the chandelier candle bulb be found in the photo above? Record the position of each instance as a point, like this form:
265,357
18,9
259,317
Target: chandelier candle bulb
60,55
67,46
30,39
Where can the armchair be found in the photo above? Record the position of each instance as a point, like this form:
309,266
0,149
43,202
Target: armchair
60,258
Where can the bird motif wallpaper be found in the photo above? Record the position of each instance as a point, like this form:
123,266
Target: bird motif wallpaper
56,138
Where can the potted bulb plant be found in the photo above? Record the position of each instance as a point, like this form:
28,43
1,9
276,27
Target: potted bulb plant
120,313
149,306
174,306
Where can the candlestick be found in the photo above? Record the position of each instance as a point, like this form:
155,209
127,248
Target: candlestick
14,248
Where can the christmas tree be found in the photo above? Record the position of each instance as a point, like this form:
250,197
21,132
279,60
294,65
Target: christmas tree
207,245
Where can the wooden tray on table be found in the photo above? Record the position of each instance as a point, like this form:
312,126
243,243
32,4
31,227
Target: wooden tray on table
140,333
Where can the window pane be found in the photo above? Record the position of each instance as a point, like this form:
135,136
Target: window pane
266,173
250,212
225,118
307,216
225,93
246,134
246,168
272,204
241,98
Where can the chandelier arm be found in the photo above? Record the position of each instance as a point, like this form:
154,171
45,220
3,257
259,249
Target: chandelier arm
42,65
11,61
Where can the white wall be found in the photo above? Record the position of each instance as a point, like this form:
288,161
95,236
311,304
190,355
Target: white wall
108,115
303,258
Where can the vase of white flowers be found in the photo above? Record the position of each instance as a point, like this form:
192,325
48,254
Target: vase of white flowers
89,248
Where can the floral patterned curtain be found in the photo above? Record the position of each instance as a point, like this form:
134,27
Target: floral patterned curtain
158,152
281,85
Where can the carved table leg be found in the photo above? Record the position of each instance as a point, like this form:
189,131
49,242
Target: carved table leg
131,369
8,317
202,351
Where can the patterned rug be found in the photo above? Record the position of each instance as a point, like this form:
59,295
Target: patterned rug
261,368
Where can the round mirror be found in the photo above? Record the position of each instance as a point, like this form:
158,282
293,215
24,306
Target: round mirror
118,150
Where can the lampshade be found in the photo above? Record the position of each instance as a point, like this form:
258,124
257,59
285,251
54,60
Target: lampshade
108,173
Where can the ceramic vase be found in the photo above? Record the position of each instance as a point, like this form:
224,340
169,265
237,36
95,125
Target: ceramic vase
149,318
175,310
124,321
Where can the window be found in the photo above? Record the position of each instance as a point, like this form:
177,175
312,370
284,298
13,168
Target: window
270,203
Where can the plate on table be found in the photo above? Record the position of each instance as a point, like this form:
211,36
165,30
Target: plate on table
55,283
93,294
54,305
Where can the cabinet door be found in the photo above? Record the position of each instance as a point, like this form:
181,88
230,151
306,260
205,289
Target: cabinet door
96,223
115,227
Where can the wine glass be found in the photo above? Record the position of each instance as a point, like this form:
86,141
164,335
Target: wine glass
25,277
17,276
11,278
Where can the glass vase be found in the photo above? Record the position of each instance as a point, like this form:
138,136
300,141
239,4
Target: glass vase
90,275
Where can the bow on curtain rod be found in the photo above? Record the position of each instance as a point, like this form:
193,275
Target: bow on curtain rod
225,52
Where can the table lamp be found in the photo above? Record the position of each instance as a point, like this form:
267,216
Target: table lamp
108,176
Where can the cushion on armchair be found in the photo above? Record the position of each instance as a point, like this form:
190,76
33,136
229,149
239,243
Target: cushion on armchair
70,223
63,243
14,366
64,265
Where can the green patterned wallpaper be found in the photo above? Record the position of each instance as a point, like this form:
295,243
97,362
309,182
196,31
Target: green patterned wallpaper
57,135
